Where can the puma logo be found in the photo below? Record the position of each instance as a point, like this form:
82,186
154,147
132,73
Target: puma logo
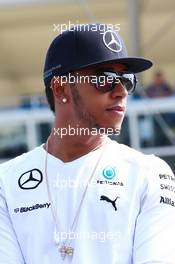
105,198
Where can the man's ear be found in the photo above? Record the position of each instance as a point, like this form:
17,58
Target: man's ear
57,87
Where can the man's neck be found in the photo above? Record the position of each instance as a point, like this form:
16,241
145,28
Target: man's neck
69,148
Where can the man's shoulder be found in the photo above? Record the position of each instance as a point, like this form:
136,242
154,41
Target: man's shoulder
20,162
136,157
149,167
127,152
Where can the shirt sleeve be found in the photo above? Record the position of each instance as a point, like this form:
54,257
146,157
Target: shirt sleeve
10,252
154,240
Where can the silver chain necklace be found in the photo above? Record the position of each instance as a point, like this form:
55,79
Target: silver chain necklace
65,247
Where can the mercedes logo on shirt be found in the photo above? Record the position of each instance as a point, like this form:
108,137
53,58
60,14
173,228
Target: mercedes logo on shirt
112,41
30,179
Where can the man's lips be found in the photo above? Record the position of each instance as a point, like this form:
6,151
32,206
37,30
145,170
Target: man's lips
117,108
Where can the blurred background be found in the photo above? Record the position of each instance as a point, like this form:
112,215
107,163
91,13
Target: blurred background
26,29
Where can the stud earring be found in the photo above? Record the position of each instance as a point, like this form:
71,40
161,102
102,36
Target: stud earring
64,100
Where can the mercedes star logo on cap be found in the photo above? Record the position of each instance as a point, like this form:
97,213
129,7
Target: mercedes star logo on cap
30,179
112,41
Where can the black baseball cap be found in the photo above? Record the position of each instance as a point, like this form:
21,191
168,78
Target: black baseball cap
89,45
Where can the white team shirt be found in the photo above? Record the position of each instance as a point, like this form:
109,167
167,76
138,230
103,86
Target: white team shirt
137,228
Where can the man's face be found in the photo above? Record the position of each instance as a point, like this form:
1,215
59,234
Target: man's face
94,109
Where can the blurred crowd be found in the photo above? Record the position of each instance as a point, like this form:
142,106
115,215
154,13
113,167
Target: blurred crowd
158,88
157,129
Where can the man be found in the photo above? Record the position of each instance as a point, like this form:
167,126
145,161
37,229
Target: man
84,198
159,87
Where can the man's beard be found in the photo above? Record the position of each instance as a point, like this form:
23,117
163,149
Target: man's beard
87,118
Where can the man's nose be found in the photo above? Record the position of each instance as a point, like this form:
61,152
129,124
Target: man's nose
119,91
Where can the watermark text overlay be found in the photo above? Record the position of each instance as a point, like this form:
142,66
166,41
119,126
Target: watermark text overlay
70,26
